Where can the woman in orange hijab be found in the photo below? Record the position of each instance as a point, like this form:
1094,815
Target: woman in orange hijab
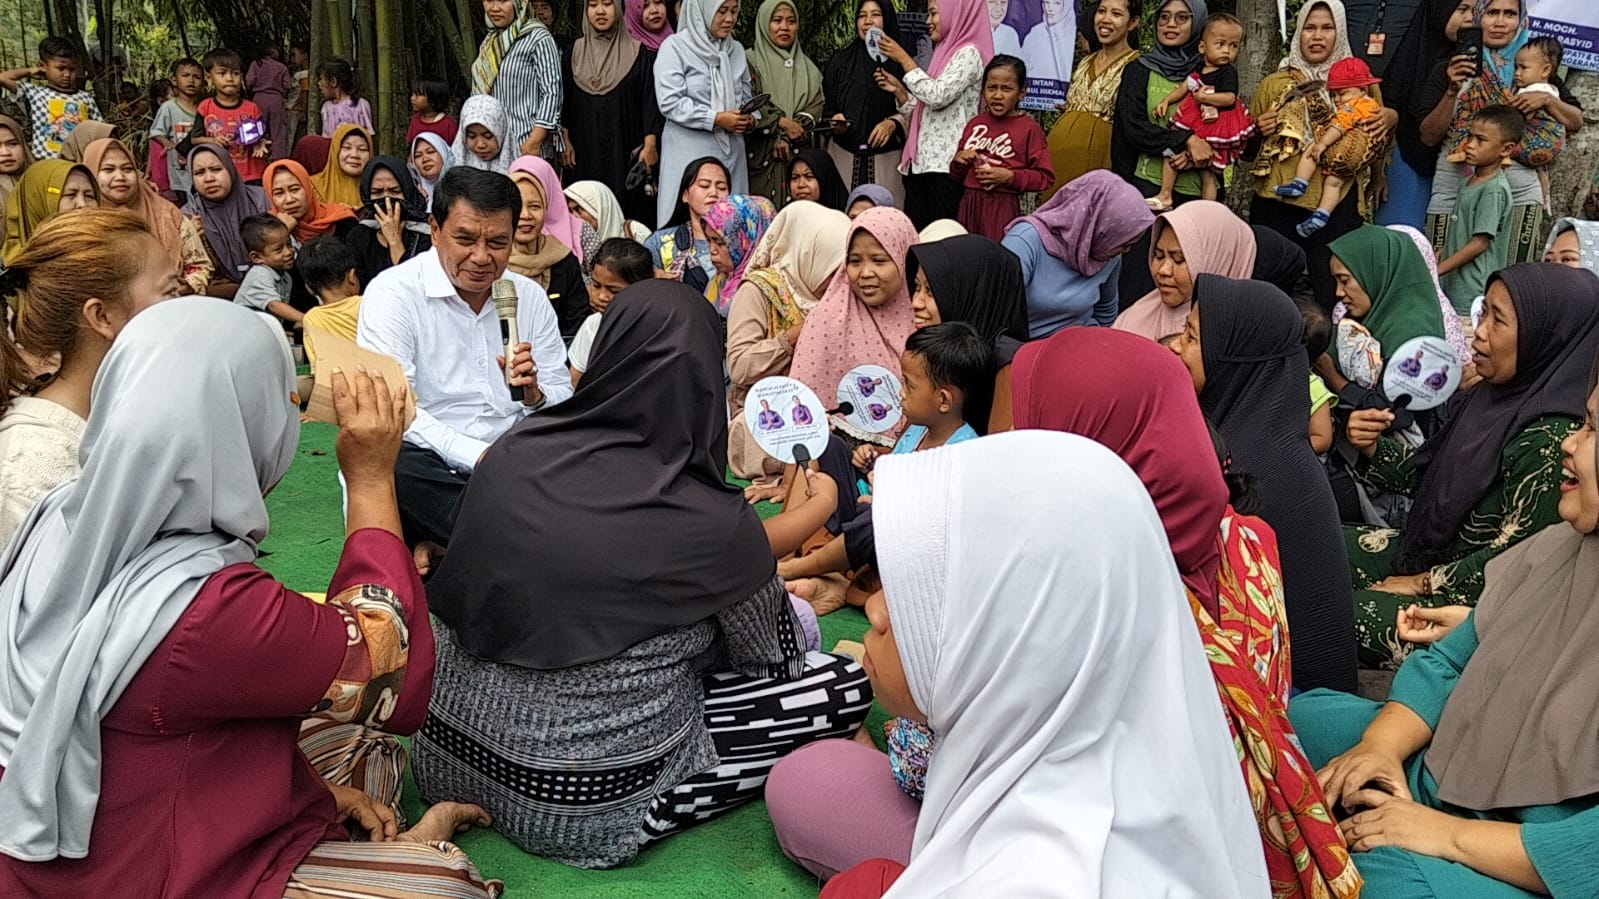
295,202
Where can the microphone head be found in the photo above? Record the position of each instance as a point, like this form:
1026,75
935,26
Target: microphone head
504,294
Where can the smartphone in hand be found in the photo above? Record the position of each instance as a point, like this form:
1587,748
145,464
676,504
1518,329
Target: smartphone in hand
1468,42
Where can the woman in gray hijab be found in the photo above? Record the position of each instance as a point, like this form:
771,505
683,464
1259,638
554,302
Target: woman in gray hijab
154,681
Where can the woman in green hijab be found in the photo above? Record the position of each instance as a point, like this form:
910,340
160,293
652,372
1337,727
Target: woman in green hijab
1387,289
778,66
47,187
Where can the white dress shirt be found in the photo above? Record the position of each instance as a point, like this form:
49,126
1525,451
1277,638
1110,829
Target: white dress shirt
412,312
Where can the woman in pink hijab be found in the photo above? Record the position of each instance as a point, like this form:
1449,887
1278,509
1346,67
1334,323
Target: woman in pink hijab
865,315
1200,237
646,21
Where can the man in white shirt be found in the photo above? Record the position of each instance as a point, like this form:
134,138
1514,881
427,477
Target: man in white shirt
434,314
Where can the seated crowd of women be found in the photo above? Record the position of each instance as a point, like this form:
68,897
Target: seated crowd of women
1119,659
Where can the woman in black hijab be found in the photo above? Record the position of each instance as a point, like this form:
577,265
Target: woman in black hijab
812,176
1280,261
601,565
393,219
868,134
974,280
1242,345
1491,477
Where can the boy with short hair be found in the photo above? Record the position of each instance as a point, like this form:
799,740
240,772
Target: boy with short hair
945,370
175,120
59,105
327,265
1478,242
228,120
619,263
266,286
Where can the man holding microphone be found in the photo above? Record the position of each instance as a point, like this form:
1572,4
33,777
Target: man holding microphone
435,314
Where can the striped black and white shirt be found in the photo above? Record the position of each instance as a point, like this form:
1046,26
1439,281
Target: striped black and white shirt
529,87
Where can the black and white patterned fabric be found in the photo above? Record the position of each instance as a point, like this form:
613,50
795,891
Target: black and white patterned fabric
587,764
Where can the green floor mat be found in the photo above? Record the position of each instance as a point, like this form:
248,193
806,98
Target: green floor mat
733,856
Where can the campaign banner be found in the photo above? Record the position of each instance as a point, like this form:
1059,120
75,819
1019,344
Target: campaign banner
1575,23
1041,33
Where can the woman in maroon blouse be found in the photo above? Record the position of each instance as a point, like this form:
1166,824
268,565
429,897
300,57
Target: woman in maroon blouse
156,681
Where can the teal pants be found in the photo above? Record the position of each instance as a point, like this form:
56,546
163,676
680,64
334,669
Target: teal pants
1329,724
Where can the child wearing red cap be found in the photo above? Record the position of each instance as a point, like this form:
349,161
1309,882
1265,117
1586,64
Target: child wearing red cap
1342,149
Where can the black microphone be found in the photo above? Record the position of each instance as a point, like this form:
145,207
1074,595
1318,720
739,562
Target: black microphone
844,408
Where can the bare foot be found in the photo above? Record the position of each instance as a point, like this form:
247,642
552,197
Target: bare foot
426,555
443,821
756,493
824,594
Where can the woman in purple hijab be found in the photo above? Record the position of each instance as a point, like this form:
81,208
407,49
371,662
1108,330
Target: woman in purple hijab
1071,247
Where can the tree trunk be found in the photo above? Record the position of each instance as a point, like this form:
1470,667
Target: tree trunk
338,30
321,47
1263,50
451,39
463,15
393,98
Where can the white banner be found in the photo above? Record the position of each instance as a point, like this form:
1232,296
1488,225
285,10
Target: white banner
1575,23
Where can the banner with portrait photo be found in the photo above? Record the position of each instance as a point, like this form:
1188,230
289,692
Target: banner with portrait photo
1041,33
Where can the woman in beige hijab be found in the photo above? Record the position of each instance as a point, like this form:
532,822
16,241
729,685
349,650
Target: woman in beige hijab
1480,775
784,280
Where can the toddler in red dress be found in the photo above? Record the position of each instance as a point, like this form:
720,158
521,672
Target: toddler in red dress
1207,104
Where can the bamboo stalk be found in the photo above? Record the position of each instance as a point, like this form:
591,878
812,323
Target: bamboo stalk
392,98
463,13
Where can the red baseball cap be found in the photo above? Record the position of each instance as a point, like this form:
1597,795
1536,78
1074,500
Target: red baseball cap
1350,72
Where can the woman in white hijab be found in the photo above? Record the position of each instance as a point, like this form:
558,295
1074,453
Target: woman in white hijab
1082,746
701,81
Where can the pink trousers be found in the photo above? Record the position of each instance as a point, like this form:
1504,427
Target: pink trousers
834,805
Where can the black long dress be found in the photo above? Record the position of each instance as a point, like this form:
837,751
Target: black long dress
1255,366
605,128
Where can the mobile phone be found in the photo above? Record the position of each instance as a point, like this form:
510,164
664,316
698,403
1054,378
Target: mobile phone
1468,42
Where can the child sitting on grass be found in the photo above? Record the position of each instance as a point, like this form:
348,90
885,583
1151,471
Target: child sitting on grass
1478,241
327,265
1342,149
945,368
618,264
266,286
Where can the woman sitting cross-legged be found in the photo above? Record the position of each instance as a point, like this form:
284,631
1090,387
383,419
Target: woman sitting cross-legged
1080,740
151,732
618,659
1491,477
1480,775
